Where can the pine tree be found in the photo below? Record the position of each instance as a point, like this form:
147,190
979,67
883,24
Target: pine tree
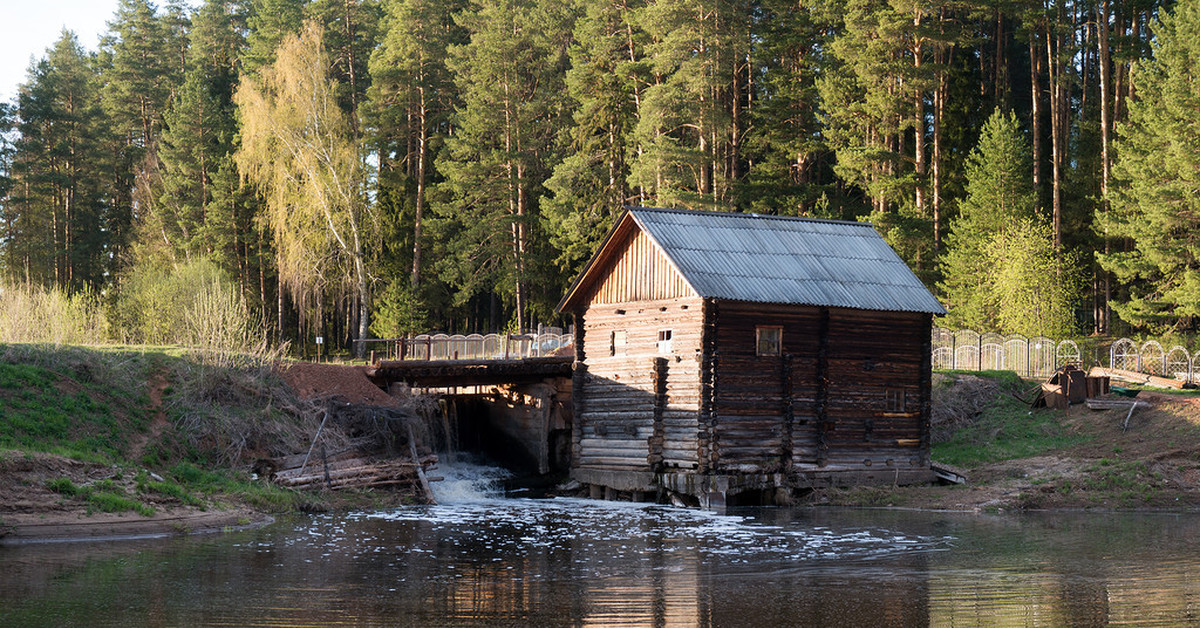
999,193
785,144
1155,177
198,141
688,130
590,185
509,124
269,23
351,33
144,69
56,216
410,101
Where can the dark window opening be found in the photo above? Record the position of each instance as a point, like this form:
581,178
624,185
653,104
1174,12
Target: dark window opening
768,340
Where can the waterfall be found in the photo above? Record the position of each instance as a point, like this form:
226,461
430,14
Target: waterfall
465,481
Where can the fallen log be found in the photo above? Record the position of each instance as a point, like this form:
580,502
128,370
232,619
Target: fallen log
1115,404
1137,378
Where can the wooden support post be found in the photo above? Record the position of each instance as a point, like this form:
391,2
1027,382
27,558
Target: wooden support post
926,387
654,456
325,463
821,411
706,438
412,450
789,418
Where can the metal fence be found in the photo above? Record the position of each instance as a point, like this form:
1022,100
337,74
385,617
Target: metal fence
1039,356
473,346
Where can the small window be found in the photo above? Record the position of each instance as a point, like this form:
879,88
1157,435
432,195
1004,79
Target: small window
768,340
895,400
617,343
664,341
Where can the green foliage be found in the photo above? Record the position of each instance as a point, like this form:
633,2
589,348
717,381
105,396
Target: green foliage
63,486
107,501
1002,271
590,185
261,495
513,108
104,496
684,129
191,304
299,150
1155,205
36,415
999,192
509,133
270,22
398,312
1027,292
173,491
142,50
56,218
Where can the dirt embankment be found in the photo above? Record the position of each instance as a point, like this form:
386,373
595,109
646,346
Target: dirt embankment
48,497
1152,464
31,511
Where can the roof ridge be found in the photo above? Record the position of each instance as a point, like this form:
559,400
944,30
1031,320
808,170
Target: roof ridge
709,212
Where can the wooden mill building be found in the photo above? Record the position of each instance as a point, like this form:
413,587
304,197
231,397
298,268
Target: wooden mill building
737,356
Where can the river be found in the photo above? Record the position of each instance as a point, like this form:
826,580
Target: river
484,560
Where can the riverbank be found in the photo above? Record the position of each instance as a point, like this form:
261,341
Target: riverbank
1016,458
137,442
104,443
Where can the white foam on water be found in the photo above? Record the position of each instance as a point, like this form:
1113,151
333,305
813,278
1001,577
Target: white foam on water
465,482
516,525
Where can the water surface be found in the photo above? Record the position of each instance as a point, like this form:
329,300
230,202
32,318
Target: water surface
568,562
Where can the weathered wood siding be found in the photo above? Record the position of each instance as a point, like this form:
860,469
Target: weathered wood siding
824,401
639,272
638,410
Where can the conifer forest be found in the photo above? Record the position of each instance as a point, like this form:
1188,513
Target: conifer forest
374,168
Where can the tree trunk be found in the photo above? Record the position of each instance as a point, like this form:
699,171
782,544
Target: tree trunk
418,216
1101,311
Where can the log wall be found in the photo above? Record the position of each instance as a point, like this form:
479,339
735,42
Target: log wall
825,400
638,409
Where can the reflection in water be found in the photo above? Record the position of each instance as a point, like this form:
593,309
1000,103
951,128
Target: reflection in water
582,563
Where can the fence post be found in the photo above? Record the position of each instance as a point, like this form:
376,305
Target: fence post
1027,368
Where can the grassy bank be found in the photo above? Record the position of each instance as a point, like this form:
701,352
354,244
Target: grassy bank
1020,458
146,429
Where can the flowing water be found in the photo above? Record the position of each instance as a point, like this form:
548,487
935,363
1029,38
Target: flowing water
480,559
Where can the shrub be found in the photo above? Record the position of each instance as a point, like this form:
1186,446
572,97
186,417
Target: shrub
33,314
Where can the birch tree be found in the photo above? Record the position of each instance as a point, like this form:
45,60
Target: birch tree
298,150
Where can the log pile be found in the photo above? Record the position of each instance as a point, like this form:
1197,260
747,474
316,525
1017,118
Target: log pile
351,469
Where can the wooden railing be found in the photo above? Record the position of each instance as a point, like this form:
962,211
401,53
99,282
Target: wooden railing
475,347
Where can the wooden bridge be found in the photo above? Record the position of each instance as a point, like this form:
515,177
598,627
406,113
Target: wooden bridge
478,372
507,396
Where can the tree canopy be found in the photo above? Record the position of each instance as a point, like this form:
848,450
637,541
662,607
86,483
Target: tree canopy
454,164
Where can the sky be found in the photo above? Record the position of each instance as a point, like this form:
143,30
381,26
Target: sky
29,27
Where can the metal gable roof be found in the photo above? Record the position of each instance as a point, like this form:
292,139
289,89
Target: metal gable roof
771,259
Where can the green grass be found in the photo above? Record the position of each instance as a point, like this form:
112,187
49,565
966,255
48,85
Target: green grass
102,496
1006,429
260,495
73,412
